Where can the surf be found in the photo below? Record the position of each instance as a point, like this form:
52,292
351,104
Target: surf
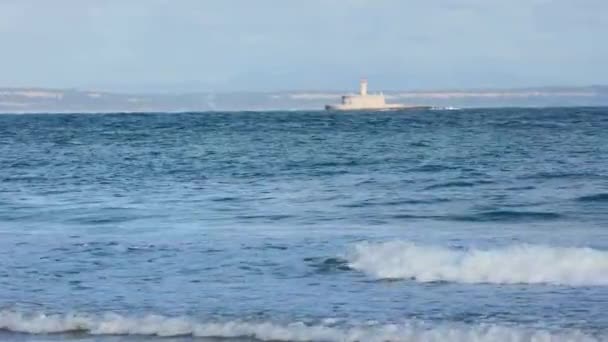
329,330
515,264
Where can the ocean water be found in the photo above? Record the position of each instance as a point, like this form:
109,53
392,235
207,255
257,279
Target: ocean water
445,225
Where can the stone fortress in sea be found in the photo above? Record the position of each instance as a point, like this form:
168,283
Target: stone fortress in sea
365,101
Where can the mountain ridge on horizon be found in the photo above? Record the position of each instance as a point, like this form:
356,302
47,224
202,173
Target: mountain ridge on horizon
373,88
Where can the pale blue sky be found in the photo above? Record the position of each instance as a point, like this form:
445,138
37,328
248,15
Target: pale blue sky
191,45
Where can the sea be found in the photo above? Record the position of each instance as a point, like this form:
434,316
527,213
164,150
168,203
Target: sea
440,225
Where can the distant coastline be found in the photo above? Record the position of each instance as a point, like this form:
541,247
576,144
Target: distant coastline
41,100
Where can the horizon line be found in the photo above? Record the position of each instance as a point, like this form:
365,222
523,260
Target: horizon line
298,90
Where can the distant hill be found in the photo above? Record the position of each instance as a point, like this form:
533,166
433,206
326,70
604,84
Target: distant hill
36,100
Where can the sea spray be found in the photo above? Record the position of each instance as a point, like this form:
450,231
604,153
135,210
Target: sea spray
162,326
525,264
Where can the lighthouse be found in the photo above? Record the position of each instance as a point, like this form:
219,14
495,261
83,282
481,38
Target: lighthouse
363,87
364,101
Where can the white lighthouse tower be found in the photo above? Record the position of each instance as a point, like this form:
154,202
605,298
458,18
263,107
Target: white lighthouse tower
363,87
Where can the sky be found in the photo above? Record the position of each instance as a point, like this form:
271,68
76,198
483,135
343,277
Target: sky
270,45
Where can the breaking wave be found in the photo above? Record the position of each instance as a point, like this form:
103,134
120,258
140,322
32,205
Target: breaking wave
162,326
518,264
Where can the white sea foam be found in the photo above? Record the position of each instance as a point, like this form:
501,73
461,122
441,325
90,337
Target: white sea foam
525,264
113,324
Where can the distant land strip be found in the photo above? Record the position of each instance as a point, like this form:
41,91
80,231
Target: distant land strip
39,100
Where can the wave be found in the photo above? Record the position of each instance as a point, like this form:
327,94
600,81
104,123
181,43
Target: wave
601,197
396,202
507,216
327,330
432,168
518,264
557,175
457,184
328,265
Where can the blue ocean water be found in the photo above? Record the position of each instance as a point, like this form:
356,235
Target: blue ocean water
443,225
